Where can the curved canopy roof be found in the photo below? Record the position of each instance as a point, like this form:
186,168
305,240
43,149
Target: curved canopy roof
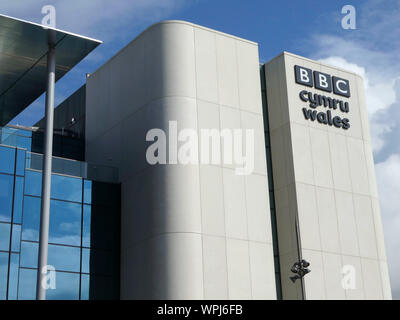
23,60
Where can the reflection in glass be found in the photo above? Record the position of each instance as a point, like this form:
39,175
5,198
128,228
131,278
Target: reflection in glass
86,226
6,192
7,160
13,278
8,136
3,274
85,286
33,183
64,258
97,228
27,284
20,169
67,166
24,132
85,260
29,254
5,229
65,222
31,221
16,238
24,143
18,196
67,287
87,196
66,188
34,161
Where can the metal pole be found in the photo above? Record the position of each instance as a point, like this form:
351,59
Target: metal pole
303,290
46,174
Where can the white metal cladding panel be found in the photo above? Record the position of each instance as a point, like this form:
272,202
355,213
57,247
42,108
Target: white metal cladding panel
334,181
184,221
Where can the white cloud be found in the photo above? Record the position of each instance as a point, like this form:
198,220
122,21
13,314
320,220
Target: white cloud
341,62
379,96
97,18
115,22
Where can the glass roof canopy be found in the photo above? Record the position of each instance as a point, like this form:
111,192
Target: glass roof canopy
23,59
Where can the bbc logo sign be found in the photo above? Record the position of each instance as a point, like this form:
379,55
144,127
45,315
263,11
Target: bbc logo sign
322,81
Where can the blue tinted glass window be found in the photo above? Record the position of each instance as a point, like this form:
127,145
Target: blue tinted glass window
33,183
66,166
31,221
23,132
87,196
86,260
66,188
18,196
20,169
13,278
5,230
3,274
16,238
7,160
9,137
27,284
86,226
24,142
85,286
8,131
29,254
34,161
67,287
6,196
65,222
64,258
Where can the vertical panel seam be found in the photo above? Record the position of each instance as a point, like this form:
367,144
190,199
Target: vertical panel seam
244,177
222,171
336,210
354,214
198,167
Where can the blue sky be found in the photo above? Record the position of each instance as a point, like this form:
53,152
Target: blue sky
276,26
309,28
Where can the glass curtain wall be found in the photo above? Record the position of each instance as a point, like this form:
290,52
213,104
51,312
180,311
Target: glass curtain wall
83,235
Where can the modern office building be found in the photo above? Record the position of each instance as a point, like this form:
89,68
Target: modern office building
122,227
